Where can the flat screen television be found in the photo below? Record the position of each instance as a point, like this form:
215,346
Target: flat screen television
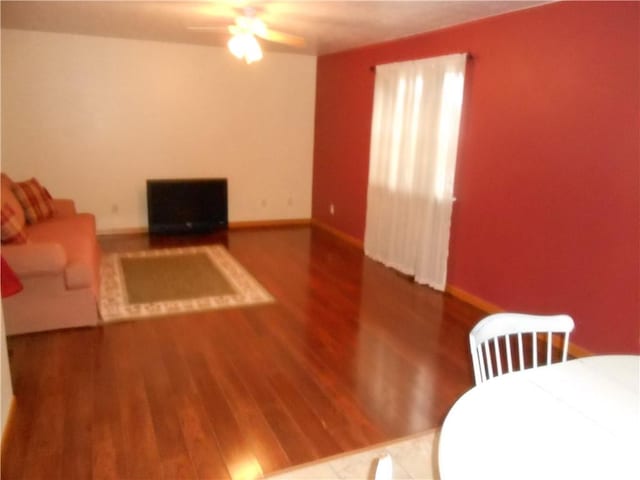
196,205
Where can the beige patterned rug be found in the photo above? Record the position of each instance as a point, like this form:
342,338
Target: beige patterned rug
172,281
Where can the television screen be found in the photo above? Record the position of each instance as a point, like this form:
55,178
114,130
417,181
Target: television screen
187,205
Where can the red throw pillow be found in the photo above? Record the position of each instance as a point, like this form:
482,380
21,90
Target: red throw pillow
11,226
11,284
35,200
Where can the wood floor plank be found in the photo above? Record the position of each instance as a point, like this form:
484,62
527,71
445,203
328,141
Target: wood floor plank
349,354
43,459
43,454
318,399
332,375
200,439
108,456
304,416
250,417
29,354
174,457
181,349
255,371
77,451
138,441
239,458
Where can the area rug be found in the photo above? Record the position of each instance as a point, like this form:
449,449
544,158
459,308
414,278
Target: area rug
174,280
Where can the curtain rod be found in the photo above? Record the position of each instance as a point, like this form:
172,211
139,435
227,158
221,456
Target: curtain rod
372,68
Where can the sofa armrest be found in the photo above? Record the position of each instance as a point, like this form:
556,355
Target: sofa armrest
63,207
35,258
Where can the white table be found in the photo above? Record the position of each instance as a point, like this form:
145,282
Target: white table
573,420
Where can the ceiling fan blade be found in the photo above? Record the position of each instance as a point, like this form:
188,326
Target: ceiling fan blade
281,37
207,28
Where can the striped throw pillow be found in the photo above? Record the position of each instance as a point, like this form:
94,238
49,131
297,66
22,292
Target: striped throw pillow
11,227
35,200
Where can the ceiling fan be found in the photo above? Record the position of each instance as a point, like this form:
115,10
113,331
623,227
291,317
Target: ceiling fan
243,43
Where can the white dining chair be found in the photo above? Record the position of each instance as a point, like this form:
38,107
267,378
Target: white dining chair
493,339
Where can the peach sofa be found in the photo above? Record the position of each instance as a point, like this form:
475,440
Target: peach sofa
59,268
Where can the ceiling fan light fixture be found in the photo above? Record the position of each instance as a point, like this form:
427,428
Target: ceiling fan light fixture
245,32
236,46
245,46
253,52
258,27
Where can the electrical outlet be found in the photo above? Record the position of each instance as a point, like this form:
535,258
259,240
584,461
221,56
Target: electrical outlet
332,209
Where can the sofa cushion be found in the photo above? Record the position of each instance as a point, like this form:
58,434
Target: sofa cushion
73,233
12,225
34,198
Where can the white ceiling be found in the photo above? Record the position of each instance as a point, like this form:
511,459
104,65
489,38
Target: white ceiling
327,26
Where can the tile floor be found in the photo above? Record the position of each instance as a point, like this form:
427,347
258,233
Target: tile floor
413,458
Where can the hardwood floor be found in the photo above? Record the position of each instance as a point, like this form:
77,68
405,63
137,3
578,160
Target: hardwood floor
349,355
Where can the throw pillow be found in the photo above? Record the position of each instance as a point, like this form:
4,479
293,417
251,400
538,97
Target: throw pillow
7,196
11,284
11,228
35,200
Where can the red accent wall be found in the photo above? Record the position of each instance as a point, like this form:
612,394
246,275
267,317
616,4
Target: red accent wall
548,175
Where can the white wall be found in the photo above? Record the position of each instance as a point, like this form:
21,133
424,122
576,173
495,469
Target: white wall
93,118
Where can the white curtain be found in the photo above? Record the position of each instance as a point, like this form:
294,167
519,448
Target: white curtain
414,141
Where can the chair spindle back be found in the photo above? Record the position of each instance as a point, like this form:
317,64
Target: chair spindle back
493,339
